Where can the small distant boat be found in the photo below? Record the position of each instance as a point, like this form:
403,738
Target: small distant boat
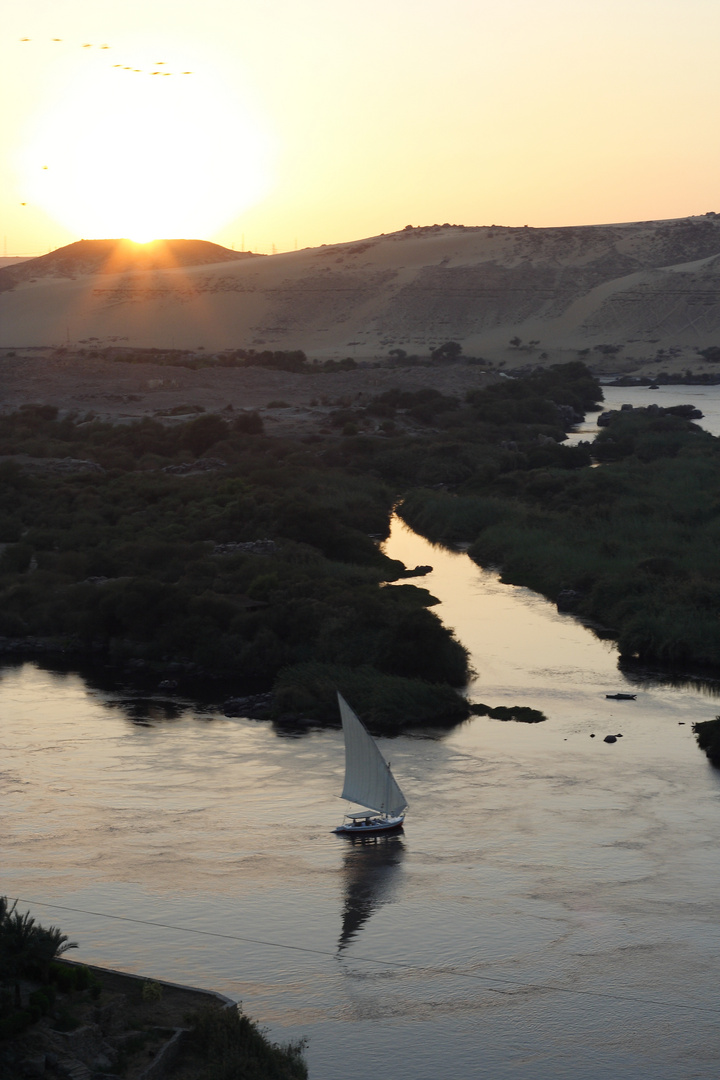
622,697
369,782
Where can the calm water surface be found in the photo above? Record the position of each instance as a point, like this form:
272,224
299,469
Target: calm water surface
704,398
551,911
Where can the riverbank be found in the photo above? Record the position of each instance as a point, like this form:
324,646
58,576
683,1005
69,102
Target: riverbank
139,1028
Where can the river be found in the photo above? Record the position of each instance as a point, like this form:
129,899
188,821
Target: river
551,911
704,398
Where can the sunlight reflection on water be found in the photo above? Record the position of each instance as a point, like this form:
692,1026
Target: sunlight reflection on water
540,869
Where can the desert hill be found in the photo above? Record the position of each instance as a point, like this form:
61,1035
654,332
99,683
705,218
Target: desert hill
625,292
87,257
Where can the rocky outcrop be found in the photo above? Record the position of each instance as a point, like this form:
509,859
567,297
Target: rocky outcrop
251,707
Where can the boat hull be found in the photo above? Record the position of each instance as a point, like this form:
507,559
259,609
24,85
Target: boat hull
371,827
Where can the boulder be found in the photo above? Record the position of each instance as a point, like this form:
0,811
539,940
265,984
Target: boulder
254,706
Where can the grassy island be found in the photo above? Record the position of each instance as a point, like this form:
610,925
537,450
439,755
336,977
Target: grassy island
207,550
630,546
204,548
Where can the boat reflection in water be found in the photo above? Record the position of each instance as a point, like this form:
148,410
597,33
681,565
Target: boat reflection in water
371,874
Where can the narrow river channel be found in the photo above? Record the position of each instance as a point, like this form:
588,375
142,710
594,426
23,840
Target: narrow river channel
552,910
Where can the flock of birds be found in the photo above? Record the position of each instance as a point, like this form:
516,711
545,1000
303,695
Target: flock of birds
154,70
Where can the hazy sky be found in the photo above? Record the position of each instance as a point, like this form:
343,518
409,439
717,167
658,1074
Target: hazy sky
316,121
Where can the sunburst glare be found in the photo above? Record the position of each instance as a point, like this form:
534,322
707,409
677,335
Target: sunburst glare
122,153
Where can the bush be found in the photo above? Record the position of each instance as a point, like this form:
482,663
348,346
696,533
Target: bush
708,737
233,1048
64,976
199,435
248,423
42,1000
384,702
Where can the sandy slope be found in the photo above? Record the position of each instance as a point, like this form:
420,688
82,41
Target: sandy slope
643,286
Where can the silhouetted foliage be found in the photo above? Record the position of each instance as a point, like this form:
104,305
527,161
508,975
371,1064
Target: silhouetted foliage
387,703
451,350
229,1046
708,737
635,540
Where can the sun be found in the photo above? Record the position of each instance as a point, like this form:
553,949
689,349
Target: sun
126,154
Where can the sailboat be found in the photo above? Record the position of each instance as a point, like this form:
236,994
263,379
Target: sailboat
368,781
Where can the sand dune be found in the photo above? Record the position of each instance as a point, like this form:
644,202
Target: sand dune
642,286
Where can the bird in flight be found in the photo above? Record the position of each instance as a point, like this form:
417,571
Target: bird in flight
121,67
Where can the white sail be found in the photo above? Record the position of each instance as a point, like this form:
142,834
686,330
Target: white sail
368,780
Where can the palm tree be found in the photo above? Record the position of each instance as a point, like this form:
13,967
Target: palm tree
26,947
49,944
17,939
6,911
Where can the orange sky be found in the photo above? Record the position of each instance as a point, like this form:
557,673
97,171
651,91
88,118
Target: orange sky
319,121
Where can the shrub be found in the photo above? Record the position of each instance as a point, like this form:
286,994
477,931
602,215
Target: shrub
234,1048
708,737
384,702
151,991
199,435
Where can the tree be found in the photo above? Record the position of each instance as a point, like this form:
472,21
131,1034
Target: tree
451,350
199,435
25,946
712,354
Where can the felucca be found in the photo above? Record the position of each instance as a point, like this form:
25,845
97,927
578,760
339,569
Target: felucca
368,781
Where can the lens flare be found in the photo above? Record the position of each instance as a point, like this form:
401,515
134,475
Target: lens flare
145,157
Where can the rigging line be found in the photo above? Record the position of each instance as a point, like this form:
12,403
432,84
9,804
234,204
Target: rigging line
383,963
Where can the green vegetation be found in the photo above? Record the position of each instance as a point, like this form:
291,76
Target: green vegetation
310,690
254,558
277,360
27,951
631,546
206,548
232,1047
708,737
203,548
223,1044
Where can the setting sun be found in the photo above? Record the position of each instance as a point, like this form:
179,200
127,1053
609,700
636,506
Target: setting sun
144,153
